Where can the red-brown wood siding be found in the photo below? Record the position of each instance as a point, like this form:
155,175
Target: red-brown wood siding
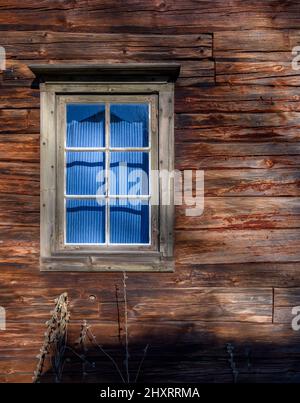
238,118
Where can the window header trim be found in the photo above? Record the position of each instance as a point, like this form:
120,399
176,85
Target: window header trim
139,72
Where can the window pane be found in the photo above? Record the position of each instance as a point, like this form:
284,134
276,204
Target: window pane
129,221
129,125
129,171
85,221
85,173
85,125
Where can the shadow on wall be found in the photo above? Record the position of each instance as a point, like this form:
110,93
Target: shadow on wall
176,361
175,352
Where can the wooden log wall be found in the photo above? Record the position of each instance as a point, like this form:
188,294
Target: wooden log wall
237,117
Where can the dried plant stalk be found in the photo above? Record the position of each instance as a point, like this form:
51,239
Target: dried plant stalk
55,339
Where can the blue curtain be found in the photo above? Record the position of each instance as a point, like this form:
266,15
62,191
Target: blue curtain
82,172
129,165
129,220
85,125
129,125
85,221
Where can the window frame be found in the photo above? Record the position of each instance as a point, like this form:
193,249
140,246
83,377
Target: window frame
152,149
134,80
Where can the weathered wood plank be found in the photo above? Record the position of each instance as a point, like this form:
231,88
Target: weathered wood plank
256,44
252,182
155,17
268,155
243,213
19,147
235,131
19,178
195,275
243,120
19,120
257,73
249,59
18,94
54,46
238,134
228,42
201,304
212,246
19,210
237,98
241,274
17,246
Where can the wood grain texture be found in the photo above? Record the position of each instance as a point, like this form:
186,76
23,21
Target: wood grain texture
213,246
237,273
147,17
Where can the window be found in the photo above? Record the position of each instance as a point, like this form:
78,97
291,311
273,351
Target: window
104,140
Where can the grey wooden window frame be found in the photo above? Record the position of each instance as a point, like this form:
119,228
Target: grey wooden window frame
62,83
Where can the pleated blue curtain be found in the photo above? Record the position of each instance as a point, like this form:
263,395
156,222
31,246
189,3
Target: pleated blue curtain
85,125
85,221
82,171
85,134
129,219
129,173
127,134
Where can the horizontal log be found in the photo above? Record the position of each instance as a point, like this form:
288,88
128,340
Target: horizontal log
55,46
19,120
196,275
19,178
243,120
242,213
212,305
20,147
201,304
238,134
147,18
238,246
195,160
257,40
204,155
257,73
236,98
252,182
239,274
17,246
256,45
19,210
18,94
